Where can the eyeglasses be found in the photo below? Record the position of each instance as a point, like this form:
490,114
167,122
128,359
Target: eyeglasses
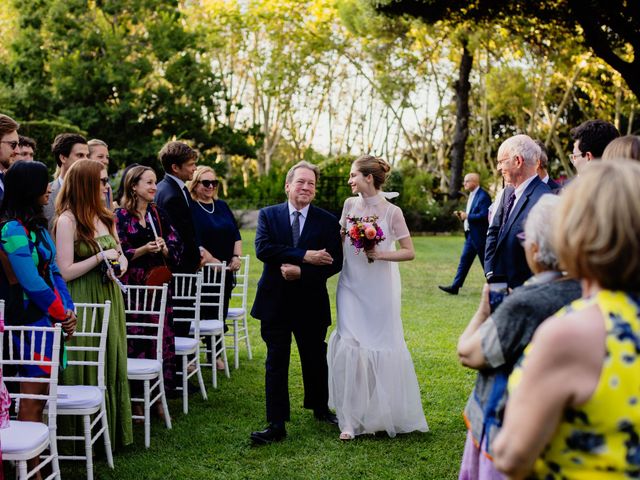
210,183
13,144
573,156
105,181
500,162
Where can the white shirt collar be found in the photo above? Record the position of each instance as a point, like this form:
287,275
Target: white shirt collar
521,188
545,179
304,211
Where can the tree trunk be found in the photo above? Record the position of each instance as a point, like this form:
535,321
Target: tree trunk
463,88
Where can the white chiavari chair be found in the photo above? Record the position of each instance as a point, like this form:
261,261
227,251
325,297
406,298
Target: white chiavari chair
25,440
147,301
87,348
212,328
237,315
187,288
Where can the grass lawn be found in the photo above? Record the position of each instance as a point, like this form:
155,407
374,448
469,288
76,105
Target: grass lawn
213,440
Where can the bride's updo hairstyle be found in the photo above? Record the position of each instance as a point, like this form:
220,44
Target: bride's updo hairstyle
374,166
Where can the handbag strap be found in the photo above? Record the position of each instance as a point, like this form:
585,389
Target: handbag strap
155,213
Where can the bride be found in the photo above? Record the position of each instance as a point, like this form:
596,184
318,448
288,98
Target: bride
372,382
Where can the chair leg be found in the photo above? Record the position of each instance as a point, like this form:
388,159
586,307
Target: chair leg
53,449
236,347
214,358
165,407
105,434
246,337
185,386
223,349
22,472
203,390
147,415
88,451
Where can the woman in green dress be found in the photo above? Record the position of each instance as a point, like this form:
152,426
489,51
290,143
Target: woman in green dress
87,243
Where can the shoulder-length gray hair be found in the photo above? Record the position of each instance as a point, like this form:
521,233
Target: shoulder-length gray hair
538,229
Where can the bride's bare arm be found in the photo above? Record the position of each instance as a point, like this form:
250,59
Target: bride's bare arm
405,253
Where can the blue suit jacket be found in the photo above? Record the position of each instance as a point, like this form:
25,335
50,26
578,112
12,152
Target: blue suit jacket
276,296
504,255
479,219
171,199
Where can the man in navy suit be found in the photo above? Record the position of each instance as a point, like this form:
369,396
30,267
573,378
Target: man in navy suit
517,160
300,246
179,162
476,223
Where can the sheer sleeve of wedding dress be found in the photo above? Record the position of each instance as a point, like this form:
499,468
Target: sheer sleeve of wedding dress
372,381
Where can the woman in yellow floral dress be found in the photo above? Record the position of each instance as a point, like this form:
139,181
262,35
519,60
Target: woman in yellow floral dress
574,410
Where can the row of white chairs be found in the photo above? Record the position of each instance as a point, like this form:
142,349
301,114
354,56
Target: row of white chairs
205,288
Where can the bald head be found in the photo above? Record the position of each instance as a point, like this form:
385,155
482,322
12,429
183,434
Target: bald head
471,181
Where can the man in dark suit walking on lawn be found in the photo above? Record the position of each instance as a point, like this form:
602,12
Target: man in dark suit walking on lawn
476,222
300,246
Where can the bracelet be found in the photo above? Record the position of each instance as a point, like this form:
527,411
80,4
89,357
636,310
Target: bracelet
234,255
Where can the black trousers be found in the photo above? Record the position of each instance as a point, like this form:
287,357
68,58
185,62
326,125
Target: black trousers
310,338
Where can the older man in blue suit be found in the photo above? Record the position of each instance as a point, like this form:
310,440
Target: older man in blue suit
504,255
475,219
301,247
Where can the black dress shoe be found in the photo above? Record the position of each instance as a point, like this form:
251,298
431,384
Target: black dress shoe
273,433
326,417
449,289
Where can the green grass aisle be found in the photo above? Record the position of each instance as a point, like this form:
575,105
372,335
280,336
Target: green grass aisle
212,442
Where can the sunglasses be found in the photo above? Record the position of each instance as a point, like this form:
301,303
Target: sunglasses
14,144
210,183
105,181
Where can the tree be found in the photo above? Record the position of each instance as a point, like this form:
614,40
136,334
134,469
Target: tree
611,28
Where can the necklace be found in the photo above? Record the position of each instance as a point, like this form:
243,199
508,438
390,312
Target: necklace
213,207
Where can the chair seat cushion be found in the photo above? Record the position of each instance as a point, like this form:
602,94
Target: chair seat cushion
143,366
210,326
185,344
235,312
78,396
22,437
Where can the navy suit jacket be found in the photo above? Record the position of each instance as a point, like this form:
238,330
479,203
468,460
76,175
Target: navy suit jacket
277,297
504,255
478,218
171,199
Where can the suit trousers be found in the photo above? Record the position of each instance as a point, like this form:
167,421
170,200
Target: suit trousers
467,257
310,338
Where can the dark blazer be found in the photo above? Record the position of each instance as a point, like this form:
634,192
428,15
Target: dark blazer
479,219
171,199
553,185
274,246
503,254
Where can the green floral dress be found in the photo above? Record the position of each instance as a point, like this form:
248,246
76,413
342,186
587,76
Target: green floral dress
90,288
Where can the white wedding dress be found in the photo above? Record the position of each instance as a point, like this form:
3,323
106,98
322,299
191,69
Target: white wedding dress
372,382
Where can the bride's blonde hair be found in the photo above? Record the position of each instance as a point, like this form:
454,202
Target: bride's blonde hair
377,167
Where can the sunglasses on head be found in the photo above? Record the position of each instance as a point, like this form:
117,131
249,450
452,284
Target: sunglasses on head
210,183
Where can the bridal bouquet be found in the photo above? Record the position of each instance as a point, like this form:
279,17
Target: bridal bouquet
364,233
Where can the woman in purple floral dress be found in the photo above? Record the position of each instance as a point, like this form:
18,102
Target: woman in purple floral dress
148,240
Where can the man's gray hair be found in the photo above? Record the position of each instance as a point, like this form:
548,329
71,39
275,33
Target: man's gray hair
302,164
522,145
538,228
